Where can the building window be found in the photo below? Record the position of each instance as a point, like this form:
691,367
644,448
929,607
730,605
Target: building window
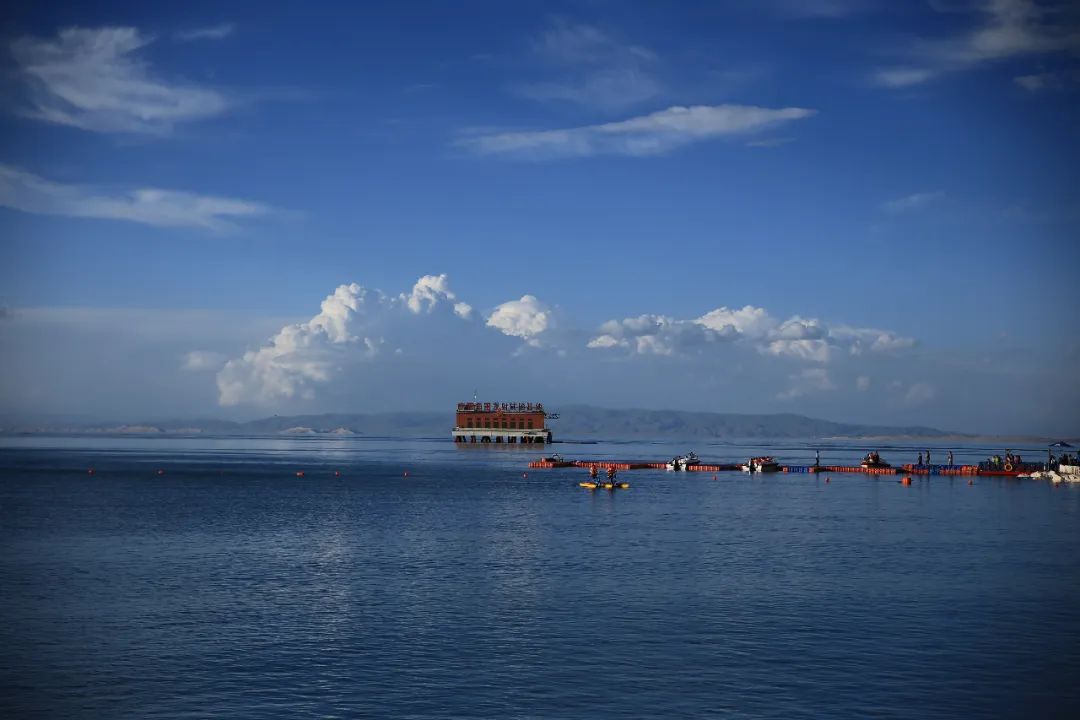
530,424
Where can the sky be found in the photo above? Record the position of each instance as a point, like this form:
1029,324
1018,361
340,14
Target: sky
855,210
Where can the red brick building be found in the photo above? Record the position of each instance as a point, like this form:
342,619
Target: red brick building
501,423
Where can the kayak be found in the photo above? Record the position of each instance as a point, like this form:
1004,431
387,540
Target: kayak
605,485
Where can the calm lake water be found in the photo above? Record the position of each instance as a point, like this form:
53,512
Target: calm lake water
229,587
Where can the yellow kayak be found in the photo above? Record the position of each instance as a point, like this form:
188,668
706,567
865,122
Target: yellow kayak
605,486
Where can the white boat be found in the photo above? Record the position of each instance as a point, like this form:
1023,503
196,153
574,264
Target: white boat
763,464
1064,474
683,461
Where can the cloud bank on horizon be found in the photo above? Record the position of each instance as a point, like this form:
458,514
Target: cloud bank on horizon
357,327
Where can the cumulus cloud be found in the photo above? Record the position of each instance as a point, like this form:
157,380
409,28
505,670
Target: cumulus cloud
813,350
30,193
806,339
299,355
360,330
595,69
748,321
428,291
527,318
908,203
654,134
1007,29
862,383
653,335
93,79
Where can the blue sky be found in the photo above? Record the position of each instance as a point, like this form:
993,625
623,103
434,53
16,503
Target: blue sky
854,210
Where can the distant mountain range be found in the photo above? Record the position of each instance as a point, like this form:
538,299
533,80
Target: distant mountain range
577,422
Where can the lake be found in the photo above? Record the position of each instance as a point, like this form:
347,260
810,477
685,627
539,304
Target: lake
227,586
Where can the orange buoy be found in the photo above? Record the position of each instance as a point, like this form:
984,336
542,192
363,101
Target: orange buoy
906,481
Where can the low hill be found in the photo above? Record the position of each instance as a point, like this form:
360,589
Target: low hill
576,422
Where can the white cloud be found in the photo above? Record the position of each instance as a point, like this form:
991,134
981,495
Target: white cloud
654,134
899,77
811,380
915,201
1032,83
869,340
211,32
527,318
91,78
804,339
297,356
749,321
1040,82
652,335
812,350
1009,28
199,360
607,341
919,393
862,383
596,69
29,193
428,291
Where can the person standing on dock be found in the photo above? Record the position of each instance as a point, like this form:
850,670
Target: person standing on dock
920,459
928,457
950,458
817,458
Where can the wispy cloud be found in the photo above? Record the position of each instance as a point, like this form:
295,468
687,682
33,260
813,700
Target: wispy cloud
1009,28
594,69
817,8
93,79
1041,82
654,134
811,380
26,192
915,201
769,142
212,32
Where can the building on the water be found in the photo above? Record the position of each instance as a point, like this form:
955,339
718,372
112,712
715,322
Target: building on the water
487,422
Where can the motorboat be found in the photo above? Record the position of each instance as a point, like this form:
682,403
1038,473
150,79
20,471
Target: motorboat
683,461
763,464
873,460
